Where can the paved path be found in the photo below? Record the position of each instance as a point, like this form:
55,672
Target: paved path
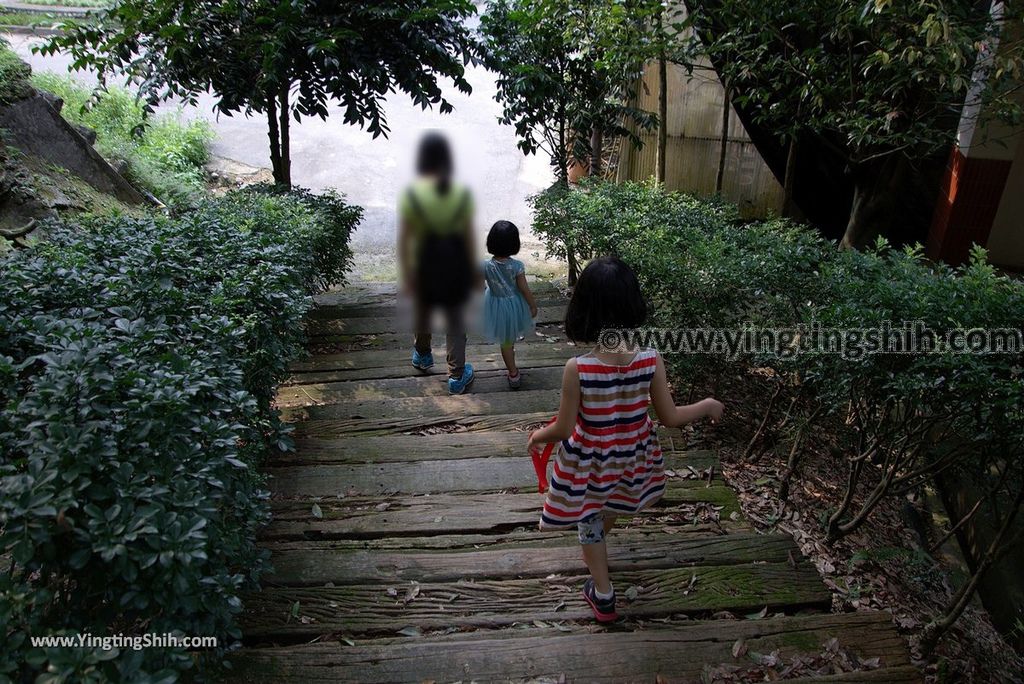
372,172
405,546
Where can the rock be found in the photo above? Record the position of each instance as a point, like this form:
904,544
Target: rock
86,132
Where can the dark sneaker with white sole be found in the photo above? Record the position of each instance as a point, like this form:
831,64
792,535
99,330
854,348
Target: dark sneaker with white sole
604,609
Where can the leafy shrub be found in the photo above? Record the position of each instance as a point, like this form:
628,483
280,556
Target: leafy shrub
138,360
163,154
14,76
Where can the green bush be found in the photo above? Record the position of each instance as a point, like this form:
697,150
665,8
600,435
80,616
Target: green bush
138,360
14,76
163,154
902,417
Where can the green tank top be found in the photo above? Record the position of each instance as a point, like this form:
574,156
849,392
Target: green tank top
426,210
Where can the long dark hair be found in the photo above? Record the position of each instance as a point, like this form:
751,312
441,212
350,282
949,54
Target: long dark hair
607,295
435,159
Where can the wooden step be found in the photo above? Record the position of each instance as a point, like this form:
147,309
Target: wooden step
676,654
313,565
373,364
402,340
357,518
434,385
372,609
359,448
398,425
470,404
368,293
376,325
390,309
436,475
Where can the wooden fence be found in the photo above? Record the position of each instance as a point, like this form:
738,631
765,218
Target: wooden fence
694,142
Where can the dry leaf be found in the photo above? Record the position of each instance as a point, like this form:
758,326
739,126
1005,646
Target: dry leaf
739,648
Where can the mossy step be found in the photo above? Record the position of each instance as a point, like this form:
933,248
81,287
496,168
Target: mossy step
340,428
373,325
627,551
546,333
374,364
357,518
358,448
671,654
435,476
470,404
385,608
435,385
390,309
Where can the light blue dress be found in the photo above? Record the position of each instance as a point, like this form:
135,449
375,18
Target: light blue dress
506,313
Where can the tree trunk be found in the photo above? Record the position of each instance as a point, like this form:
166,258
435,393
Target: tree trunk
275,138
662,117
875,192
285,132
596,149
789,208
723,146
934,630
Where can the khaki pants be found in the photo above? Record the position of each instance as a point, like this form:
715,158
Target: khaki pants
455,335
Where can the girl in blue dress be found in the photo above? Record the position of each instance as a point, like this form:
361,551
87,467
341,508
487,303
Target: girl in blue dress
509,306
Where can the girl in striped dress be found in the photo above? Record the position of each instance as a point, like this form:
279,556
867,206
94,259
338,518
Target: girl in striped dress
609,462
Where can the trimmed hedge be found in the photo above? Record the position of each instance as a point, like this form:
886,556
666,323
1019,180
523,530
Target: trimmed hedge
903,417
139,358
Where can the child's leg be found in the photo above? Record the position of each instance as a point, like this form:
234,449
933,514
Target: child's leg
508,355
595,550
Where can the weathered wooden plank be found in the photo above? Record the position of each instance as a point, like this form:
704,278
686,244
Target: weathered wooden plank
342,427
368,365
358,448
387,309
677,654
370,609
373,293
508,541
436,385
356,518
469,404
378,325
347,343
434,476
303,567
905,674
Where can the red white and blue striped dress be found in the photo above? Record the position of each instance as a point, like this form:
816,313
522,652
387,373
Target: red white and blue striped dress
612,461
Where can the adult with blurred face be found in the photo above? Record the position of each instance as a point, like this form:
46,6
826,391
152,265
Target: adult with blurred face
435,253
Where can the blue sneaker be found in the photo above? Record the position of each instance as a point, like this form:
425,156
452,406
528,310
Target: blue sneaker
459,386
422,361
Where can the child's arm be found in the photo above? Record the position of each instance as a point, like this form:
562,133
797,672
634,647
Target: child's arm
567,410
671,415
528,296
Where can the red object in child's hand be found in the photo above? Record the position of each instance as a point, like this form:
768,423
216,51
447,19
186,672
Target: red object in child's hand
540,462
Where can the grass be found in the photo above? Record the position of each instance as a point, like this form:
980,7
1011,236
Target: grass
163,154
14,76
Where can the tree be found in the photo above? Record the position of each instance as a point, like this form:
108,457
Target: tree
284,60
565,69
879,84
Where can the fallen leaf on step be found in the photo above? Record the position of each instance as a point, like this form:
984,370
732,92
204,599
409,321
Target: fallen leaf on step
410,631
760,615
631,594
739,648
317,513
413,592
